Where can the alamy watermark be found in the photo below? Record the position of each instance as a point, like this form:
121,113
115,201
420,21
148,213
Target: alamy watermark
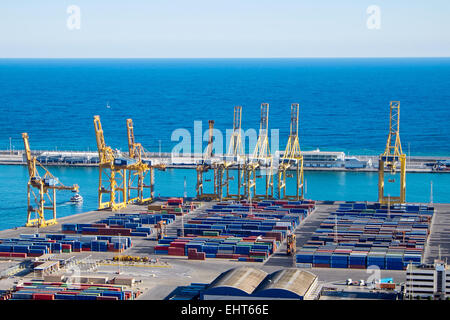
74,19
193,146
374,20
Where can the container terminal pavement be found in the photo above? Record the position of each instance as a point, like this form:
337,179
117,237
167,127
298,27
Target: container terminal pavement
217,237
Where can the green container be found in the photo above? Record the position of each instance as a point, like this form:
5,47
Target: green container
211,233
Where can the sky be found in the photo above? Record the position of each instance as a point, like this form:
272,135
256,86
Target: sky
224,28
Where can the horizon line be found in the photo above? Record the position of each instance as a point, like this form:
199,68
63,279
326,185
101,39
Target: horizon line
174,58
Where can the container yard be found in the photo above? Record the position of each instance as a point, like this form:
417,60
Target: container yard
218,236
358,236
243,225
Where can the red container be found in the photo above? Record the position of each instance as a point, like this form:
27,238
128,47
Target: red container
353,266
106,298
164,248
34,255
257,253
43,296
66,246
175,201
201,256
178,244
224,255
174,251
321,265
17,255
85,249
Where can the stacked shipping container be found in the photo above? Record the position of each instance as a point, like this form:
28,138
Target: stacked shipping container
359,235
238,230
35,245
38,290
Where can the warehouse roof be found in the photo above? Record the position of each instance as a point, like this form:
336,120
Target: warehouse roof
286,283
240,281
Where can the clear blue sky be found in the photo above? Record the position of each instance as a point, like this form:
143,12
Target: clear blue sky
224,28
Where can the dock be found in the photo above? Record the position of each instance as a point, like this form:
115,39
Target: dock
417,164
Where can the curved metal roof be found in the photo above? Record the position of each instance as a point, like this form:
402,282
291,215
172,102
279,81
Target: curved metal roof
293,280
244,279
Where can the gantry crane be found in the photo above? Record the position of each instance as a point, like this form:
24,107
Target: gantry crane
160,230
392,155
260,160
291,244
112,173
140,171
235,157
206,165
292,160
45,186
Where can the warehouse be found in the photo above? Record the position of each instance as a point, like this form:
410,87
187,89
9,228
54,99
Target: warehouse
254,284
288,284
237,282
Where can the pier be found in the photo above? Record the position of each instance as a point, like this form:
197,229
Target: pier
362,163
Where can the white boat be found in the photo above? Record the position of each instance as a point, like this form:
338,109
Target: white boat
76,198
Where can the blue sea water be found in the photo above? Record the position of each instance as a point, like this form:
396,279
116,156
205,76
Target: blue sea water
344,106
344,103
320,185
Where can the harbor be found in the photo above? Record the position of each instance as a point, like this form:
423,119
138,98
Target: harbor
313,160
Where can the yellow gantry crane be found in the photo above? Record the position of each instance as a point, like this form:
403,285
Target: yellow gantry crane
138,172
235,157
112,173
292,160
260,160
45,187
392,155
206,165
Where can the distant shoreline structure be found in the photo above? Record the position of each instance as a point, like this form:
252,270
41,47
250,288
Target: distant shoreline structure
314,160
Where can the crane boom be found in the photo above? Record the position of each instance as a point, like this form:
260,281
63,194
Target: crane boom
392,155
261,160
41,188
138,171
235,157
292,159
112,173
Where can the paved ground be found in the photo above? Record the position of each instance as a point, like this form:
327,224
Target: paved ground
439,239
303,234
160,279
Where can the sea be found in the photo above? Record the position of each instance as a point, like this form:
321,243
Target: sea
344,106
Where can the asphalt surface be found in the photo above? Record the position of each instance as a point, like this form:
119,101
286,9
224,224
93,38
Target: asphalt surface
160,279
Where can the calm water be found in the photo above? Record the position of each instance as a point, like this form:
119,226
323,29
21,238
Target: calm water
344,106
320,186
344,102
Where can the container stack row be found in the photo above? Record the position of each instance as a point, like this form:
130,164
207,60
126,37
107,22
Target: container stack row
124,224
35,245
358,236
173,206
190,292
63,291
266,218
252,249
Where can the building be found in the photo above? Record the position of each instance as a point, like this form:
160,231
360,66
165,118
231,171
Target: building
428,281
355,163
247,283
325,159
